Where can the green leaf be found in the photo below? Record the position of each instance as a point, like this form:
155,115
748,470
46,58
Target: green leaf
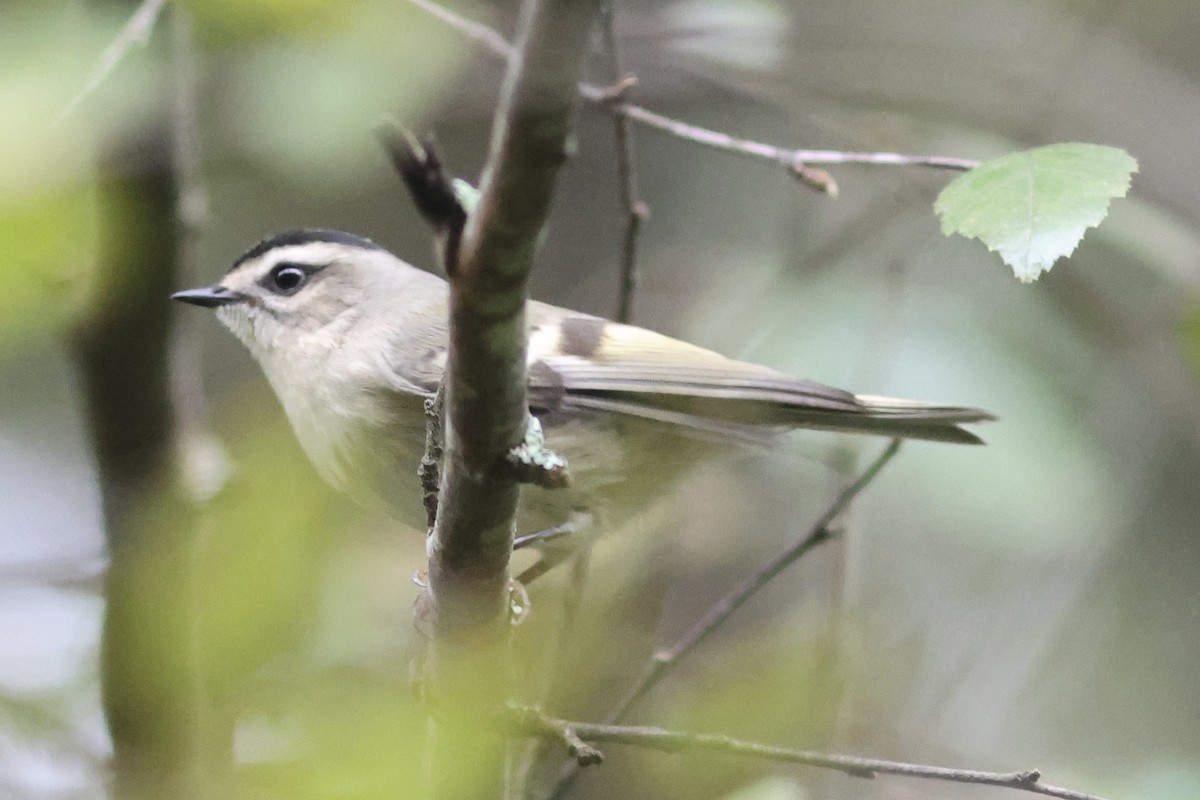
1033,207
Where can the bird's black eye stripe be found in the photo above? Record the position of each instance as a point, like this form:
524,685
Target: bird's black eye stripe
287,278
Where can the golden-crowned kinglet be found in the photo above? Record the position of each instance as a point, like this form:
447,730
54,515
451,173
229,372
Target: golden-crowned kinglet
353,340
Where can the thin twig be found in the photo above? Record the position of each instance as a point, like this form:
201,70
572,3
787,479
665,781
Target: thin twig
205,464
191,208
481,34
147,669
792,159
663,660
137,31
799,163
527,721
818,533
635,210
532,722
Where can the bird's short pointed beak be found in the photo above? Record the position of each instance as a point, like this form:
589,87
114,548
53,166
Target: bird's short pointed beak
208,296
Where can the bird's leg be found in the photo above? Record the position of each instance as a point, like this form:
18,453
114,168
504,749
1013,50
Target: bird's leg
540,538
555,545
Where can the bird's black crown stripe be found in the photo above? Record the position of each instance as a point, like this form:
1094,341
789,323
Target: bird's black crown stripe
304,236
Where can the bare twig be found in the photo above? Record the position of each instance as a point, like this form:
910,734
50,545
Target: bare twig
191,207
799,163
532,722
467,599
136,31
791,159
819,532
477,32
205,464
121,348
527,721
635,210
663,660
576,585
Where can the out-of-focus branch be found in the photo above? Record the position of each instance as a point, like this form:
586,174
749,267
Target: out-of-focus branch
819,532
205,466
154,695
635,210
121,351
662,661
792,159
203,463
481,34
136,31
467,599
804,165
578,736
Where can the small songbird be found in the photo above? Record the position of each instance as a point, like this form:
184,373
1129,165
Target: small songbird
352,339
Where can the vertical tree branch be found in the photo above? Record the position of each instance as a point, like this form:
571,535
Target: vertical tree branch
153,693
191,215
635,210
486,408
121,351
203,463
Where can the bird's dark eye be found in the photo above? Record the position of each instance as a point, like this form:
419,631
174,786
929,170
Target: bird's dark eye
287,278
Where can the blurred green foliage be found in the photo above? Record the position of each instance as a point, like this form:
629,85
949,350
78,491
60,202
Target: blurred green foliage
260,561
303,100
47,219
49,243
1188,332
222,22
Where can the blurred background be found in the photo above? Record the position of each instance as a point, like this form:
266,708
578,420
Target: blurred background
1034,603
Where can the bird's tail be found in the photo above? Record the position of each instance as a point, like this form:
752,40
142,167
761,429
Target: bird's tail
887,416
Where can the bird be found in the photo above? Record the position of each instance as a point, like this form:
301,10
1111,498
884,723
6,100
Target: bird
353,340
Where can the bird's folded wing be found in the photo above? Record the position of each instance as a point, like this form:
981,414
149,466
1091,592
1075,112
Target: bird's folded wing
583,362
